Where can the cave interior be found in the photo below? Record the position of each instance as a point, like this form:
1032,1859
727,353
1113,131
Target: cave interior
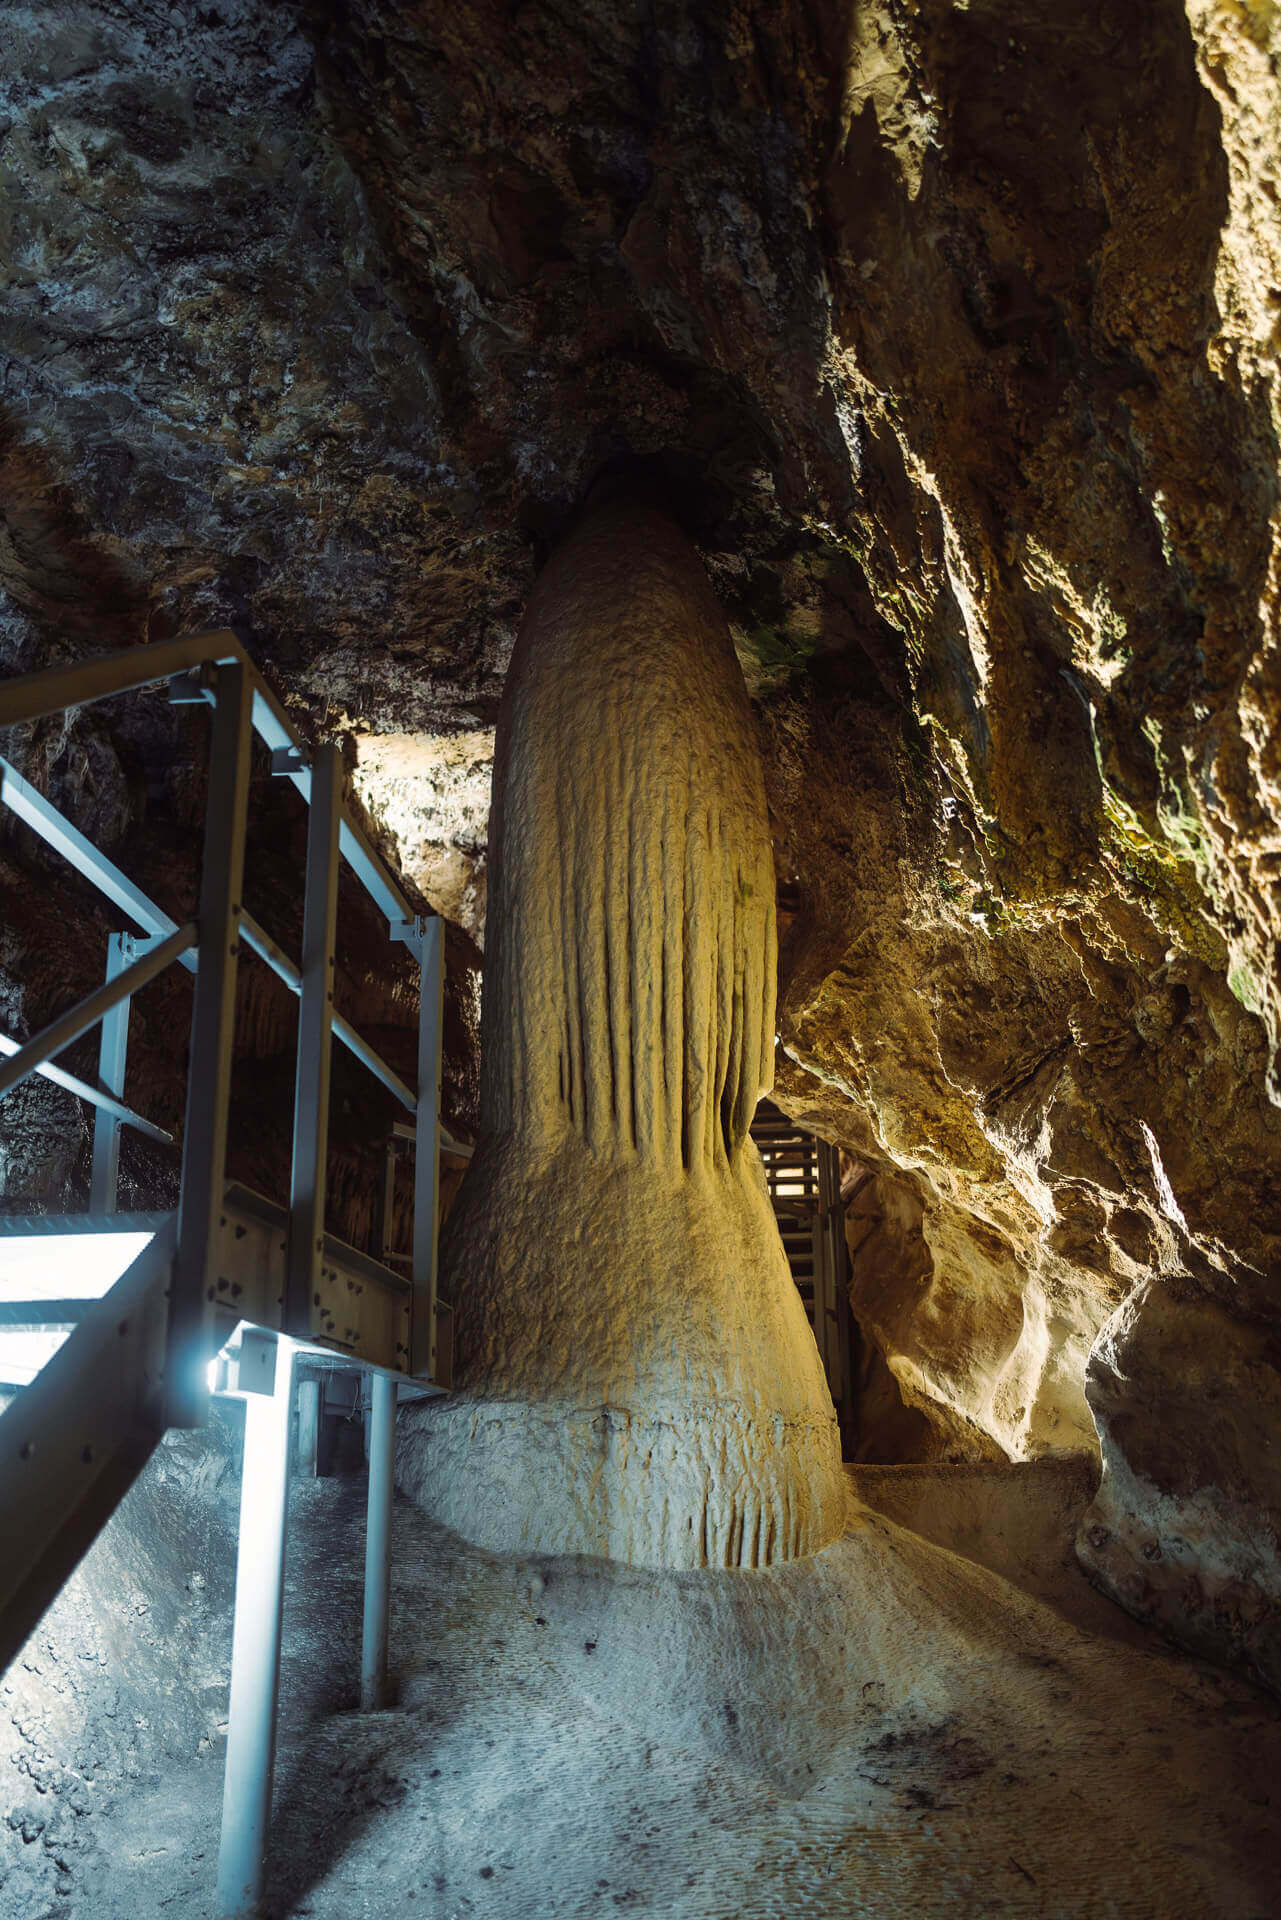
742,545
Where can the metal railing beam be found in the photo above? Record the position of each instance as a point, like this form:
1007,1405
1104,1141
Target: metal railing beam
284,969
33,696
204,1153
371,872
345,1032
79,1019
274,730
113,1055
315,1015
94,1095
43,818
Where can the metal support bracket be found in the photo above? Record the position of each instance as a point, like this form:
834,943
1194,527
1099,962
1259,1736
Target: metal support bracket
287,761
192,688
409,933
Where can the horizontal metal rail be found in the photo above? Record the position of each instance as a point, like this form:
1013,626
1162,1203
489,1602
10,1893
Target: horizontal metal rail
283,967
26,1226
94,1095
79,1019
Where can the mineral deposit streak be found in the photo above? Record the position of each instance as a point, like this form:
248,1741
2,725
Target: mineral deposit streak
636,1375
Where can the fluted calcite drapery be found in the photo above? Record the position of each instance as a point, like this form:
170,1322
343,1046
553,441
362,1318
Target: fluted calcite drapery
636,1377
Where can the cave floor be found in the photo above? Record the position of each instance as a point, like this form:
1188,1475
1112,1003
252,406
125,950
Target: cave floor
888,1729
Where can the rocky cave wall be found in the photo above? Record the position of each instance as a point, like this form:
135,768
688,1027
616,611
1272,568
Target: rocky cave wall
952,328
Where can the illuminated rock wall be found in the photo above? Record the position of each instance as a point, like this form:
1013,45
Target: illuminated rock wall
638,1378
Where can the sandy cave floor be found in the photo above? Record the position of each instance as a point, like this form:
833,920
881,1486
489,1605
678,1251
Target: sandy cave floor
889,1729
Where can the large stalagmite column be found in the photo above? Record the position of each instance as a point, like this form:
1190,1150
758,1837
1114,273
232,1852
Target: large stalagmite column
636,1376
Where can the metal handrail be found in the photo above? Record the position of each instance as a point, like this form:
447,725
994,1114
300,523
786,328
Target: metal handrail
56,830
88,1012
34,696
214,667
105,1102
137,1361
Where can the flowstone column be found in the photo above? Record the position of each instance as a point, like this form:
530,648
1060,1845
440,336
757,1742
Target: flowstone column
636,1376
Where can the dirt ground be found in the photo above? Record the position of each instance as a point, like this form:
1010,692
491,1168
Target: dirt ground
888,1729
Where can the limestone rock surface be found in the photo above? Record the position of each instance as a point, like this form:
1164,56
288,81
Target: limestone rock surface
1186,1525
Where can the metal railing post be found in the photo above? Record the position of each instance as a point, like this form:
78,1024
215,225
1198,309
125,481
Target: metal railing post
385,1242
308,1426
431,1003
204,1151
255,1651
311,1085
382,1466
88,1012
113,1052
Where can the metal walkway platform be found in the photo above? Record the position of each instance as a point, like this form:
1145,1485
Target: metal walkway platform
115,1327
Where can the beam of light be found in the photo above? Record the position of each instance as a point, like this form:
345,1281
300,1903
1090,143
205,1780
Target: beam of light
43,1270
65,1266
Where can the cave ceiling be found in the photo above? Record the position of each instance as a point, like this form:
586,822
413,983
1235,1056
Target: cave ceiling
950,330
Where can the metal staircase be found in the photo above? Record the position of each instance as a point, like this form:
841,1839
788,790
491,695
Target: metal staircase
804,1180
115,1327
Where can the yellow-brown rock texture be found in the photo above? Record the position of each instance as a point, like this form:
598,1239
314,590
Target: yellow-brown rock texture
951,331
634,1375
